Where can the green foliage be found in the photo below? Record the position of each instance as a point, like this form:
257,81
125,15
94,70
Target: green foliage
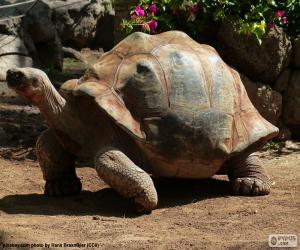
106,4
49,69
253,17
274,146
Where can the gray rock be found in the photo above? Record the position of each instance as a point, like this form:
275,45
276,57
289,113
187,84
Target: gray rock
267,101
260,62
13,54
10,26
76,21
104,37
292,145
51,53
38,23
15,10
36,30
291,107
282,81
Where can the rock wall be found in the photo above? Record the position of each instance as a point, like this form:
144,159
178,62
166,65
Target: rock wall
80,23
271,72
37,38
21,58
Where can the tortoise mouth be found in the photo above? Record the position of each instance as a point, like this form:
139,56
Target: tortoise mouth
16,79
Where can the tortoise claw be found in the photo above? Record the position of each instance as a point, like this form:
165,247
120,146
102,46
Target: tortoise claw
249,186
63,187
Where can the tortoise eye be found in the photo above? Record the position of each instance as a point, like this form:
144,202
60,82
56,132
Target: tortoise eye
35,83
143,68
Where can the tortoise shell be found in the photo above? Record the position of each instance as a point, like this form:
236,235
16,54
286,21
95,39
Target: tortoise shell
177,98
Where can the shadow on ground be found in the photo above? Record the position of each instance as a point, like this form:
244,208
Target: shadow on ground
106,202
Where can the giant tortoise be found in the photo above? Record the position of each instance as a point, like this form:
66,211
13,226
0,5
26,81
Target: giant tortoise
155,105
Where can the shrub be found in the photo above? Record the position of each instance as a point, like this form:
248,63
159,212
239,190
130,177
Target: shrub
193,16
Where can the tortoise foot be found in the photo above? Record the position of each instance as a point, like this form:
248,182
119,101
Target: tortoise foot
63,187
144,204
129,180
250,186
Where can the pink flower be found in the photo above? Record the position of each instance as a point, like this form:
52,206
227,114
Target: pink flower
133,16
139,11
279,13
152,25
285,20
145,26
271,25
194,9
152,9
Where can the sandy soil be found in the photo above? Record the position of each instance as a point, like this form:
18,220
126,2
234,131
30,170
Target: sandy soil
191,214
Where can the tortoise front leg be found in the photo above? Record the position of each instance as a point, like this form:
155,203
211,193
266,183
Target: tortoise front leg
118,171
58,166
248,177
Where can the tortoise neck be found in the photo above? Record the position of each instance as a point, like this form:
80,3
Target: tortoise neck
51,104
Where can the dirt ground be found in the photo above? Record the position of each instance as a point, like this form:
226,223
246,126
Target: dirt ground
191,214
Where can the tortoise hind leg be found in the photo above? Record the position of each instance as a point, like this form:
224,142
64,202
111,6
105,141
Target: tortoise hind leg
248,177
58,166
130,181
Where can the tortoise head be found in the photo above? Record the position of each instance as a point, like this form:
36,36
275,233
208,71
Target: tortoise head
27,82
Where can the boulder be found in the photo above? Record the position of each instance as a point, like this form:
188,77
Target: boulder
293,146
296,56
49,23
13,53
282,81
267,101
77,21
51,53
10,8
260,62
104,37
15,27
16,46
38,24
9,26
36,30
291,105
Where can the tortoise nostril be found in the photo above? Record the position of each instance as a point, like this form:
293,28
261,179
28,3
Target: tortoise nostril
18,75
14,78
9,73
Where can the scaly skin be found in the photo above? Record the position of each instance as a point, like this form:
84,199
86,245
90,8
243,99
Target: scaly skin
58,166
117,170
248,177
